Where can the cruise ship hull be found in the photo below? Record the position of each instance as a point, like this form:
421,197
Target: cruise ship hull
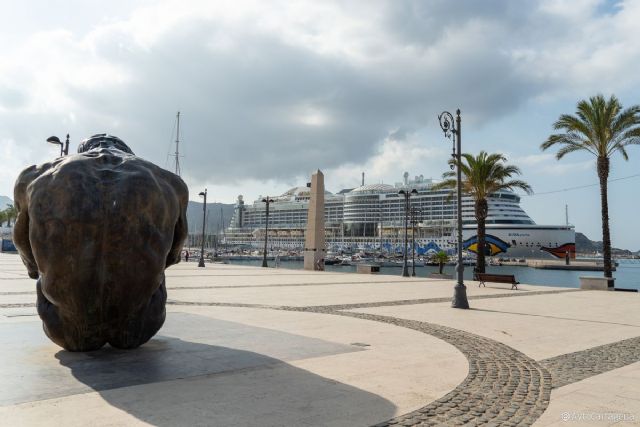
533,241
525,241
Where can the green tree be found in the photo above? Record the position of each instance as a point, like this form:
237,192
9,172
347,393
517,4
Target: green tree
482,176
600,127
3,217
10,213
441,258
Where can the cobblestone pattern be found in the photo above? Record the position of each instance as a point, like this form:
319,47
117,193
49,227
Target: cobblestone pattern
19,293
425,301
338,307
573,367
225,304
504,387
275,285
344,306
18,305
265,272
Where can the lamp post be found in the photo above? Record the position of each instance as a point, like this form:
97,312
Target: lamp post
267,201
407,195
204,216
414,213
64,148
447,125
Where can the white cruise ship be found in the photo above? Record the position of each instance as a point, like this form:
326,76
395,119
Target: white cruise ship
371,218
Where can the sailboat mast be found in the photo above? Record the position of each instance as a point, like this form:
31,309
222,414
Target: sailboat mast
177,154
224,233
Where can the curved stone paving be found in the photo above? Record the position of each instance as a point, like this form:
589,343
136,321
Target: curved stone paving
503,386
572,367
520,293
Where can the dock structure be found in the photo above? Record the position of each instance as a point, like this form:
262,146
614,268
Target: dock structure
552,264
314,244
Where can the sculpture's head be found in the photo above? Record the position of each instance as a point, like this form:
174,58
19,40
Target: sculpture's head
103,140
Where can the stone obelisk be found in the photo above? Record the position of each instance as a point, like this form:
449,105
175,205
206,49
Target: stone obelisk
314,247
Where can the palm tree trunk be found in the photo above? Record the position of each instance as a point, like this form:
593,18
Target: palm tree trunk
481,211
603,175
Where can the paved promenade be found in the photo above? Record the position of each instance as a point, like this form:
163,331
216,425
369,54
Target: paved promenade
249,346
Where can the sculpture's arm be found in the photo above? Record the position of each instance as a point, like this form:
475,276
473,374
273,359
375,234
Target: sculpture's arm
21,226
181,228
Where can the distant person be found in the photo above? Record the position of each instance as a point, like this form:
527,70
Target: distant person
277,260
186,256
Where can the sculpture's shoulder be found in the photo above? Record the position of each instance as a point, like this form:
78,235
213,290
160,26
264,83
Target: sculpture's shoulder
178,185
27,177
104,170
162,176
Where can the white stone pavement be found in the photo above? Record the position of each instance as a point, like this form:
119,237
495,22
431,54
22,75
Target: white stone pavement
233,356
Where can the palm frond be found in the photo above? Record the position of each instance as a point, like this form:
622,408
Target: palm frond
483,174
573,124
516,183
600,127
629,137
568,149
569,139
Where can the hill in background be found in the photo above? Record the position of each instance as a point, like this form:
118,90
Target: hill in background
4,201
219,214
586,245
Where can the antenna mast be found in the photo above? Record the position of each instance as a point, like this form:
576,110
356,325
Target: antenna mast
177,153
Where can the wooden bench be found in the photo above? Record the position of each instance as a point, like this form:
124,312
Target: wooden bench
497,278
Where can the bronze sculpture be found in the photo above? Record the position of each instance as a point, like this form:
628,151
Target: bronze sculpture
97,229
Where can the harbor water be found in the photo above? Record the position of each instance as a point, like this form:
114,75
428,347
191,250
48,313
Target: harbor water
627,274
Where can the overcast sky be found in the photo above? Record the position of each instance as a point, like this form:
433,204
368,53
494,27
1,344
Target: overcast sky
269,91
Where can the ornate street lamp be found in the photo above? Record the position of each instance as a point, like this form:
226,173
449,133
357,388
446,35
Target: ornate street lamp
64,148
447,125
407,195
204,216
267,201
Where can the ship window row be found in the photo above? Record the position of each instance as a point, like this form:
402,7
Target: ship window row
532,245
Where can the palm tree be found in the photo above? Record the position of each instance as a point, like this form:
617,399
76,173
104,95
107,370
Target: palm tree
441,258
3,217
10,213
483,175
600,127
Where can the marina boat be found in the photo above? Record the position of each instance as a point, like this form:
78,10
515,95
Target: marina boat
371,218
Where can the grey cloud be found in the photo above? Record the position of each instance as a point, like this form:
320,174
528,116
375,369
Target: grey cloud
423,22
399,134
236,103
11,97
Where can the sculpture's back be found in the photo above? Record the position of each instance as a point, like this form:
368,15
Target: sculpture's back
98,230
